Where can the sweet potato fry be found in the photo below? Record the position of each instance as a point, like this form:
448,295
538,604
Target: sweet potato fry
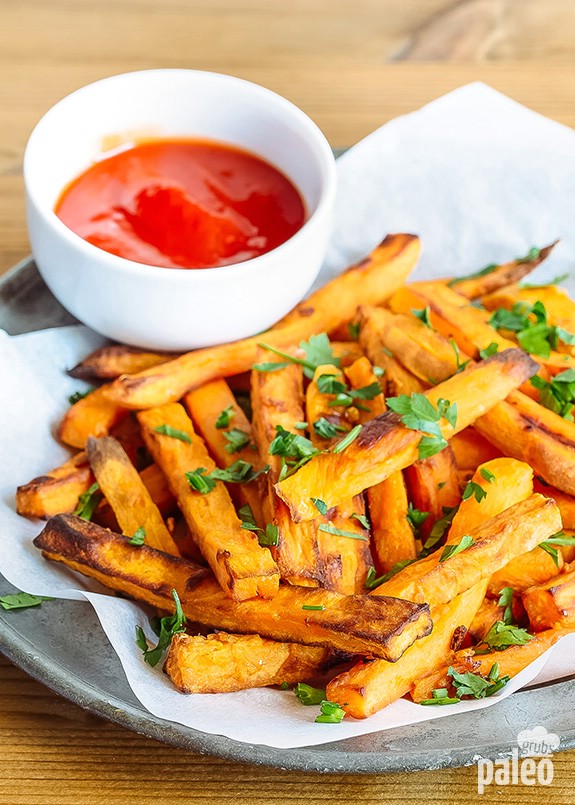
372,280
427,355
522,428
277,400
498,540
500,275
392,538
511,661
566,503
94,415
205,405
223,663
344,560
371,685
488,613
433,486
472,449
504,482
126,493
552,602
346,351
241,565
57,491
453,317
357,624
385,445
108,363
533,567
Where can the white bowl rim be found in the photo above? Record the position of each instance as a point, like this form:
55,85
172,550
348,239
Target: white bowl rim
327,194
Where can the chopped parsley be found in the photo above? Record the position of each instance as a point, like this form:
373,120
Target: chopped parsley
169,626
331,713
506,601
347,439
416,518
502,635
309,695
318,352
423,315
320,505
555,281
79,395
452,550
558,394
168,430
240,472
418,413
294,449
361,519
529,322
476,275
343,396
490,350
139,536
353,330
88,502
438,531
372,580
338,532
557,539
474,490
237,439
21,600
314,607
326,429
461,365
487,475
225,417
469,685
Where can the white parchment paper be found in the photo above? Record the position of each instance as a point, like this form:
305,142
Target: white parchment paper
480,179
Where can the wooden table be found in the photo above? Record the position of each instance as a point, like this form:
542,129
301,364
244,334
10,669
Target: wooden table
352,65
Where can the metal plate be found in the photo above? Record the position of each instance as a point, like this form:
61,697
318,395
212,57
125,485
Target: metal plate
67,650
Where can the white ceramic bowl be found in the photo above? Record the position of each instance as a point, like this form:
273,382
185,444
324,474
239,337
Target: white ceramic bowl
166,308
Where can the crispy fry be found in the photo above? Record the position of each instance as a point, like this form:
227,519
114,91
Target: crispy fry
392,538
511,661
488,613
453,317
57,491
501,275
344,561
385,445
433,486
508,482
94,415
498,540
552,602
241,565
126,493
223,663
533,567
108,363
371,685
205,405
357,624
372,280
566,503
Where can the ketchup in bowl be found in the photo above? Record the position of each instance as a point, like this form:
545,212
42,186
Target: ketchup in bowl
183,203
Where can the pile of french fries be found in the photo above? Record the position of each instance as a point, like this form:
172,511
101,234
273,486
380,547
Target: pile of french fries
372,493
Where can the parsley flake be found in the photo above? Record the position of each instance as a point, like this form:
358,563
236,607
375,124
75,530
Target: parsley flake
506,601
309,695
418,413
502,635
347,439
361,519
225,417
557,539
318,352
416,518
490,350
326,429
331,713
139,536
88,502
237,439
423,315
169,626
174,433
320,505
314,607
558,394
452,550
487,475
338,532
79,395
21,600
474,490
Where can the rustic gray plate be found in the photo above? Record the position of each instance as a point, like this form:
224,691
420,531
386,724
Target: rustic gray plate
64,647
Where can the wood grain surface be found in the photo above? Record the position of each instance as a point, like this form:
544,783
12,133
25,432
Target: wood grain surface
351,65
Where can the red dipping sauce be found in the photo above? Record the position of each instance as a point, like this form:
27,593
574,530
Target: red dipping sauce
183,204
